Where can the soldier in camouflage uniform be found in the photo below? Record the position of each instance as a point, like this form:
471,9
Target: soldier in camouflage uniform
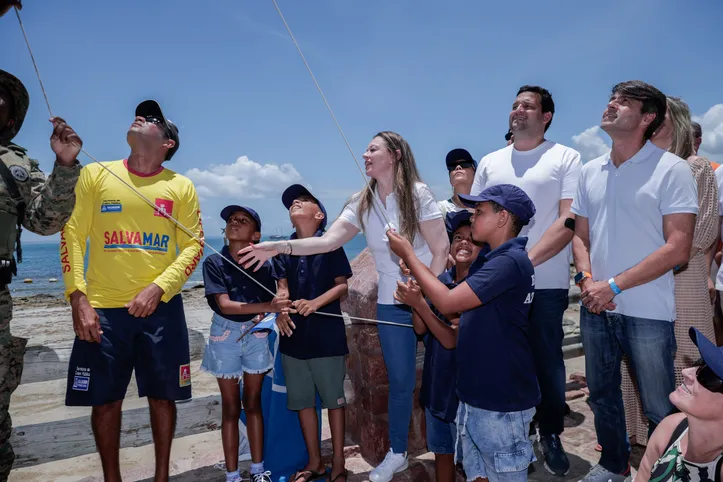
48,205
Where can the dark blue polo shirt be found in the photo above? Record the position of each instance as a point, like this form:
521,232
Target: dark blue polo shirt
309,277
495,367
219,277
438,381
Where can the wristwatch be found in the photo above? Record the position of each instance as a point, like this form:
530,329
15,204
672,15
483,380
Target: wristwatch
579,277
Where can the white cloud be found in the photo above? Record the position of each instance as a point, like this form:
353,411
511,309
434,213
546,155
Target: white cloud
590,143
245,179
712,124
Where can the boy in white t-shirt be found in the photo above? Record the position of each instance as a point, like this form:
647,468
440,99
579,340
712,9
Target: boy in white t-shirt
548,172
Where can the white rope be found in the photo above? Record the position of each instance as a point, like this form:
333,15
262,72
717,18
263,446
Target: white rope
167,215
331,112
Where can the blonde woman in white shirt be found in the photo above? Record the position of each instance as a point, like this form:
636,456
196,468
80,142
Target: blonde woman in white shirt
409,206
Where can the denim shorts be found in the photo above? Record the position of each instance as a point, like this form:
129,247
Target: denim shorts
441,435
495,444
225,357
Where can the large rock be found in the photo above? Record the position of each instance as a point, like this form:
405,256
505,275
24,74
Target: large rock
366,421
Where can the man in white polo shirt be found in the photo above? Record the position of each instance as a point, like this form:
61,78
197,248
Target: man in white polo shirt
548,173
636,209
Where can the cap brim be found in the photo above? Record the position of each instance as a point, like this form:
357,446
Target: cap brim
711,354
470,201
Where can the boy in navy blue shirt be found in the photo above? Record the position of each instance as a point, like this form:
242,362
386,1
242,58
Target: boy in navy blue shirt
438,395
236,300
314,349
496,378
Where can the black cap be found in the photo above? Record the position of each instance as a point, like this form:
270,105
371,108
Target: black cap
510,197
294,191
453,221
457,156
229,210
151,108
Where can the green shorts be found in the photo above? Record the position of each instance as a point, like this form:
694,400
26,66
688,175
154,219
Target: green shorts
305,377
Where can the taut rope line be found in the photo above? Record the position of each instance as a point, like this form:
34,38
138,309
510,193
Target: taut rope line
165,214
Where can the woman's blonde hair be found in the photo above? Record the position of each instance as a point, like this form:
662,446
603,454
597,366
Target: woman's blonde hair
405,177
682,142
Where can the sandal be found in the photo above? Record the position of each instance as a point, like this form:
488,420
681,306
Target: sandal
306,475
341,474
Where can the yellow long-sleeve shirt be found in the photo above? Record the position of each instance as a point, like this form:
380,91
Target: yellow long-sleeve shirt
131,244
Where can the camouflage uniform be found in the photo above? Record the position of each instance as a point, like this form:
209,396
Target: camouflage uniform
49,205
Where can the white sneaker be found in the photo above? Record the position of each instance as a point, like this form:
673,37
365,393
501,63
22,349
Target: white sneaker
262,477
392,464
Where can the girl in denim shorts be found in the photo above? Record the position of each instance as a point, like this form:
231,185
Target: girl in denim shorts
236,302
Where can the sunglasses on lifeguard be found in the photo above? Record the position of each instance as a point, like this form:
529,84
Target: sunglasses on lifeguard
464,164
707,377
158,122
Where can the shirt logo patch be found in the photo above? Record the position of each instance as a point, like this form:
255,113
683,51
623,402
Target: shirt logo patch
111,208
530,297
19,173
184,377
164,207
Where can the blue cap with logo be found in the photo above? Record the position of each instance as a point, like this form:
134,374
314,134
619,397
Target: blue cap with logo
453,221
510,197
229,210
294,191
711,354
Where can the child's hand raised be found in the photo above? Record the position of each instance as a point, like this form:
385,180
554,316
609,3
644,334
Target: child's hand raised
409,293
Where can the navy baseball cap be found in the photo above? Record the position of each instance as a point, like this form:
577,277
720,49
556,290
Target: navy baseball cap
454,220
711,354
229,210
151,108
510,197
458,156
294,191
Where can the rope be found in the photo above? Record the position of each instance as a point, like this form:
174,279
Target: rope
331,112
167,215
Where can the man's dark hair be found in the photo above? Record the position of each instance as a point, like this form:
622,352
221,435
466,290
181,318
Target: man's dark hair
653,100
516,222
697,130
548,105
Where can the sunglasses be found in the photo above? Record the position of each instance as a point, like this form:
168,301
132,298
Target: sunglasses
464,164
707,377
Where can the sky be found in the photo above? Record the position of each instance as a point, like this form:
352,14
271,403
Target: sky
442,74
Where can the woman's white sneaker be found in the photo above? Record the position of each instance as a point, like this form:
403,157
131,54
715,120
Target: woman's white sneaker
392,464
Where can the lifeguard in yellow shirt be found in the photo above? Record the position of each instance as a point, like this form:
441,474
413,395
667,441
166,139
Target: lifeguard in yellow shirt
127,308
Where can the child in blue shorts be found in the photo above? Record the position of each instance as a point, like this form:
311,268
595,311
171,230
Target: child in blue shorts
438,394
314,349
236,301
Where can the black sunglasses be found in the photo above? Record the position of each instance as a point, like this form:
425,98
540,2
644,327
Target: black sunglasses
158,122
707,377
464,164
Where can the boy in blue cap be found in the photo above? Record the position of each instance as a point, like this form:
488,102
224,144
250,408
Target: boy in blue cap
314,349
236,301
496,378
438,395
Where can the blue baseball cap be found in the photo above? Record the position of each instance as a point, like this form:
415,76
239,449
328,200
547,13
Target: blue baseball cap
711,354
294,191
510,197
458,156
453,221
229,210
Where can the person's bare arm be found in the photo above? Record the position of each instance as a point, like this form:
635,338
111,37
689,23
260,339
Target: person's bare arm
657,444
435,234
423,317
555,238
678,232
229,307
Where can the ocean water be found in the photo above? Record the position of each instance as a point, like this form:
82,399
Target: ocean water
41,263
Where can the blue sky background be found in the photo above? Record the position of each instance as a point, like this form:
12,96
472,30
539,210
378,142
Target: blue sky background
443,74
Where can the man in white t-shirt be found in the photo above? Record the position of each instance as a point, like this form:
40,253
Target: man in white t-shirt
635,214
461,167
548,173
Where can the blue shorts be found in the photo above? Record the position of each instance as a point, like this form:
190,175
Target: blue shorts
495,444
156,346
226,357
441,435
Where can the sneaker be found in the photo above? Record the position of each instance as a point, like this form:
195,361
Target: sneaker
601,474
261,477
392,464
556,461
